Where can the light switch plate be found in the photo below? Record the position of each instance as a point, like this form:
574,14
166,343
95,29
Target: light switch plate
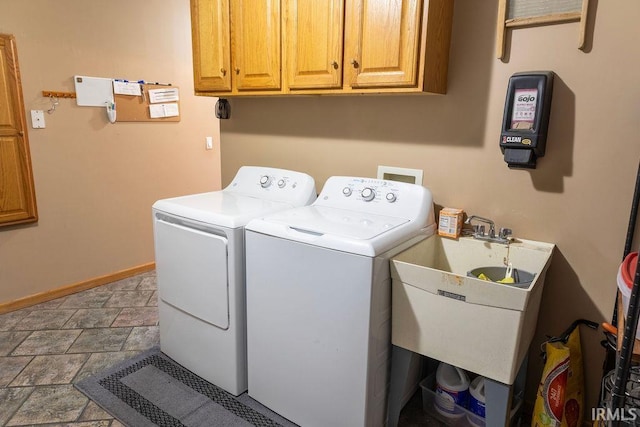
209,143
37,119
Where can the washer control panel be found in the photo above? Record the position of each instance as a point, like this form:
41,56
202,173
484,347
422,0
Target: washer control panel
373,195
369,194
371,191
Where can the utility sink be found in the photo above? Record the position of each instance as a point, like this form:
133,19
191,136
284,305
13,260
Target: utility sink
484,327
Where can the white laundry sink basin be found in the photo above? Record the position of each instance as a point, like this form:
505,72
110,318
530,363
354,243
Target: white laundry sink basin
484,327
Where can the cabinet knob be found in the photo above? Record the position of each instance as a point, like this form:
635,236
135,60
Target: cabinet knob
223,71
237,70
355,63
334,64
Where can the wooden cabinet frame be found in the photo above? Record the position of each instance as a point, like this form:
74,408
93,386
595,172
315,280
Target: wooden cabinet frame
17,193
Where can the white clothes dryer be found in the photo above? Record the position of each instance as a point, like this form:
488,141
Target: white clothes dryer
318,299
199,249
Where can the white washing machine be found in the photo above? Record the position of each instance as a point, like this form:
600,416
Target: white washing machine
318,299
199,248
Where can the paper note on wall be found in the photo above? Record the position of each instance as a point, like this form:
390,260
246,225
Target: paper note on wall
163,95
126,88
93,91
157,111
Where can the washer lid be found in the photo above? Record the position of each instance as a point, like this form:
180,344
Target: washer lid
340,229
341,223
221,208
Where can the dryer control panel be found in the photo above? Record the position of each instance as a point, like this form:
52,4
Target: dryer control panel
376,196
274,184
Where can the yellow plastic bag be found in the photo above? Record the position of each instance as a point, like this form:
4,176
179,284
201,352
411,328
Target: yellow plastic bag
560,398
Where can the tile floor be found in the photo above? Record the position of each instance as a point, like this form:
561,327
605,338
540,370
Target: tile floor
45,348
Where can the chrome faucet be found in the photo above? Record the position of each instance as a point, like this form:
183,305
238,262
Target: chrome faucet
479,230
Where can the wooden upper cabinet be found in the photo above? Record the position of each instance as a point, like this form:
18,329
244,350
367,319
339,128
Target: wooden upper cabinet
382,43
324,46
236,45
17,194
255,41
313,39
211,45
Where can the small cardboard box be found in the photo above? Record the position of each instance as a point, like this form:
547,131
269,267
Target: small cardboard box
450,222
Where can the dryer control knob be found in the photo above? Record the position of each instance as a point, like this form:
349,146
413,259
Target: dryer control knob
368,194
346,191
391,197
282,183
265,181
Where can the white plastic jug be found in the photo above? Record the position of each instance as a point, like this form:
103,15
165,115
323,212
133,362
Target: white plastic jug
452,390
477,401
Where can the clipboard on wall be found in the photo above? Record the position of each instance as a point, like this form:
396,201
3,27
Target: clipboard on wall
157,103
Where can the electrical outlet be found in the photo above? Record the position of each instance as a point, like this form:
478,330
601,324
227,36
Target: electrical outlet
37,119
209,144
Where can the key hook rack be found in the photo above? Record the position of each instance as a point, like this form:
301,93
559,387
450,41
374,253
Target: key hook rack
54,98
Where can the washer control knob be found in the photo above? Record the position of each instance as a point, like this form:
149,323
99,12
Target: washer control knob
368,194
282,183
391,197
346,191
265,181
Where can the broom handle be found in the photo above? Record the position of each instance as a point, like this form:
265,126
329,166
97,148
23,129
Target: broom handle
633,216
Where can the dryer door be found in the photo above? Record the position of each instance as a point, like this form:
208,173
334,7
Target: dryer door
191,266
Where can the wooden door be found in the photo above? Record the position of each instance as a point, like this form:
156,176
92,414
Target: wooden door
255,37
314,34
17,194
211,45
382,42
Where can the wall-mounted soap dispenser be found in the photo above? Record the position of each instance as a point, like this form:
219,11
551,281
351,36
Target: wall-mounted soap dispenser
526,118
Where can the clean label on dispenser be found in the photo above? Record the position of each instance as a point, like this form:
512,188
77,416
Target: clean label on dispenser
524,108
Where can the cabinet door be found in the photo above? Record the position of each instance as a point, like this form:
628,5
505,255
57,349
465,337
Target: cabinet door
255,36
17,195
314,32
382,42
211,47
